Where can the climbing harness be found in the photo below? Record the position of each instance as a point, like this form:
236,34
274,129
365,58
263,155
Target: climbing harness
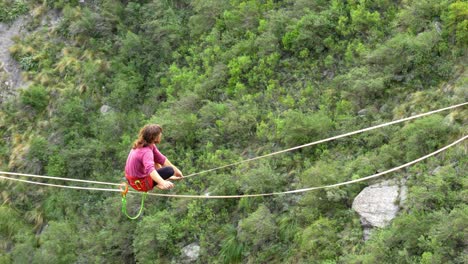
143,185
140,184
124,190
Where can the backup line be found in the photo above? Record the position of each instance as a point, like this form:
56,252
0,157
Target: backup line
255,195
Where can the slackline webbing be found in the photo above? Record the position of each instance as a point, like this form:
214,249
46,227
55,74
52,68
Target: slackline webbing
329,139
256,195
258,157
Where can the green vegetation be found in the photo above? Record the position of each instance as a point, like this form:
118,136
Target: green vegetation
230,80
12,9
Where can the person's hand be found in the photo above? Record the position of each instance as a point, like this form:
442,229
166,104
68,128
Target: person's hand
178,173
165,185
175,178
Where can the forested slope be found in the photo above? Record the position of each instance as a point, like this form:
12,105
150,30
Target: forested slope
228,81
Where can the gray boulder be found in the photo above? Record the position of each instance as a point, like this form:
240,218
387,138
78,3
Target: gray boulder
190,253
105,109
363,112
378,204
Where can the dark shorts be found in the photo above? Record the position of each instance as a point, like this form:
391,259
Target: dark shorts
165,173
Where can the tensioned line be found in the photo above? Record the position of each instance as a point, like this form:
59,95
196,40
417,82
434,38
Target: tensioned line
256,195
328,139
56,178
318,187
61,186
258,157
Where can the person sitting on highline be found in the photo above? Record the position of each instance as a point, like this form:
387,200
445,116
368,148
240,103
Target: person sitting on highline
146,167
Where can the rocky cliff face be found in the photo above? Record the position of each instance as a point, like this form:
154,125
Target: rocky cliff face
378,204
10,72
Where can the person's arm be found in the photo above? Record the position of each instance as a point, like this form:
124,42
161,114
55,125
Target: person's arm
148,163
177,172
161,159
161,183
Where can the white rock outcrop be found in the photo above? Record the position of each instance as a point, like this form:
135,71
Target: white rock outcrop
10,72
190,253
378,204
105,109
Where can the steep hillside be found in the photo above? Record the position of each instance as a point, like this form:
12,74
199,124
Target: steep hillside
229,81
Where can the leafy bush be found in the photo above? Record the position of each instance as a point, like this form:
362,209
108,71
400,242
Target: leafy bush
11,10
423,136
258,228
36,97
297,128
318,241
457,22
38,154
157,235
263,179
362,85
314,32
58,244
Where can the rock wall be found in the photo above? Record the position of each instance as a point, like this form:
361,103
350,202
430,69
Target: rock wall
10,72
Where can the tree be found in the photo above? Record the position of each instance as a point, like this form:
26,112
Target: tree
456,20
319,241
35,97
362,85
314,32
258,229
206,14
157,237
297,128
58,244
448,236
423,136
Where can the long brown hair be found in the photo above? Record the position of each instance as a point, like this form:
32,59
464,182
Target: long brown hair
148,134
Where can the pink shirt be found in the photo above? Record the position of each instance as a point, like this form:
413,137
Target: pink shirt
140,161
